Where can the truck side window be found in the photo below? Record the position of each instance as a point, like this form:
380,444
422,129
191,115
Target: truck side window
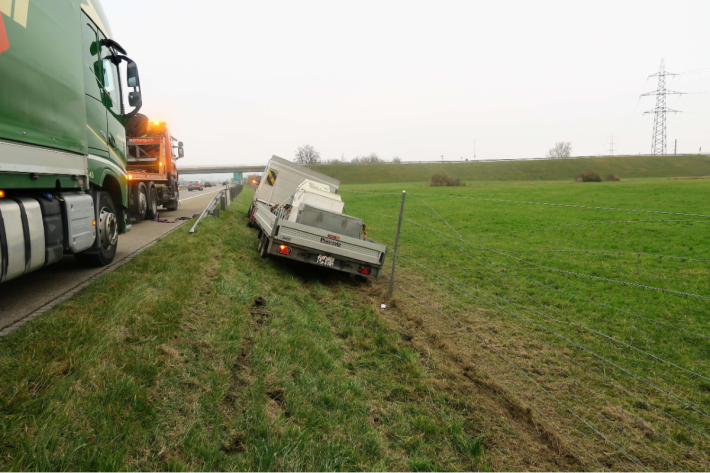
111,79
91,59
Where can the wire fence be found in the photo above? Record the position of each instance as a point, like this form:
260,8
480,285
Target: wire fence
596,318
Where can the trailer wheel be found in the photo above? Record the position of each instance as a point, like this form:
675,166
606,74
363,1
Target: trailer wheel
263,246
152,210
250,222
107,229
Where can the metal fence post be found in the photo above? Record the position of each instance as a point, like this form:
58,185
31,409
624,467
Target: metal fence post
396,242
223,202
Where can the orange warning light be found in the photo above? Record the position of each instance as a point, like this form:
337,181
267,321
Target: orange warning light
2,194
93,222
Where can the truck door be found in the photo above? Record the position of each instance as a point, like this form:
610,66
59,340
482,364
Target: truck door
112,101
95,110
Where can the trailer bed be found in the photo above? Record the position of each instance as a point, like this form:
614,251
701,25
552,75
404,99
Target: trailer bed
317,246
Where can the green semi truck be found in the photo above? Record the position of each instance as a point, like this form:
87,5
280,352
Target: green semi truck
63,178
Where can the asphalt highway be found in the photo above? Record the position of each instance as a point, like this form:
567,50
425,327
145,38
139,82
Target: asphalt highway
29,294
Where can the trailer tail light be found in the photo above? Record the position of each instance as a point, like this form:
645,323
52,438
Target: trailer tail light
285,250
2,194
364,270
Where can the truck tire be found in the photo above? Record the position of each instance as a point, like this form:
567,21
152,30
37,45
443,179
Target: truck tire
107,233
152,210
172,204
141,205
263,246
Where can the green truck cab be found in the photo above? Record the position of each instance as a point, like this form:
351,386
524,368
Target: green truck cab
63,178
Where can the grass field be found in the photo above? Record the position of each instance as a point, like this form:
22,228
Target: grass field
633,167
198,355
597,319
515,340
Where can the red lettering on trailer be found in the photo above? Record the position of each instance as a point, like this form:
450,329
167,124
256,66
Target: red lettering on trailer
4,42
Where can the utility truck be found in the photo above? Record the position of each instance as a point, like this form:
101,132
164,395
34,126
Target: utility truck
63,177
152,168
300,216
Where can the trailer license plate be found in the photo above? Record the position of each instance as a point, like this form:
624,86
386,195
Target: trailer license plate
325,260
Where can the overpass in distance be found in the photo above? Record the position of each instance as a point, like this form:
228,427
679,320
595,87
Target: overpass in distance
220,169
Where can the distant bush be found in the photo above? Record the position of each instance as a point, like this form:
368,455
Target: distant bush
371,159
397,160
589,176
442,179
612,177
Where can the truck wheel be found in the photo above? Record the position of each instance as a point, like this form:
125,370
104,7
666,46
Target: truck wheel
263,246
172,204
152,210
107,233
141,201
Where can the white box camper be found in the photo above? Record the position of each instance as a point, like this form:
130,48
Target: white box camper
316,195
281,180
299,216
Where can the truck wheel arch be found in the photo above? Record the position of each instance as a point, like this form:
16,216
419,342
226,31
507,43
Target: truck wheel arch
111,184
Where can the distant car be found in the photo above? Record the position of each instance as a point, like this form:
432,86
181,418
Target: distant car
194,186
208,184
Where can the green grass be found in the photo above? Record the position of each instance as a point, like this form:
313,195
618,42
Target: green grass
539,289
168,363
633,167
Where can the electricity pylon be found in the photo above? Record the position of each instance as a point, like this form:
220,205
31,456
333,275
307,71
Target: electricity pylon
658,145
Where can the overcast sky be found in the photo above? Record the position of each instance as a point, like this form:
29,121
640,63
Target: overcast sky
240,81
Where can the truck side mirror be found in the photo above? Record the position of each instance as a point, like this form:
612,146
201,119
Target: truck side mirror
132,74
179,144
135,99
181,152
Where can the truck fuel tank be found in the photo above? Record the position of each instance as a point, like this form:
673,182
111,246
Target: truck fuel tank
22,242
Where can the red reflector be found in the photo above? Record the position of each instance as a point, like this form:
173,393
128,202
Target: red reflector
285,250
363,270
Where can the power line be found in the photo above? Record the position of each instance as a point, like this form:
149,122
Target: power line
658,144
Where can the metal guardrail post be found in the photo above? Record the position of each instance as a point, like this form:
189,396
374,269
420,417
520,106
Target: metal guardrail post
210,209
396,242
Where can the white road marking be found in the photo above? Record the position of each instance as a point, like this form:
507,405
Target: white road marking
195,197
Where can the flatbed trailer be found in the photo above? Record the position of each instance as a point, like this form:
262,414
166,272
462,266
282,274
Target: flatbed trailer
296,228
281,237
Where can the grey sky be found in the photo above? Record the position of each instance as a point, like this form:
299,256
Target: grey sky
240,81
